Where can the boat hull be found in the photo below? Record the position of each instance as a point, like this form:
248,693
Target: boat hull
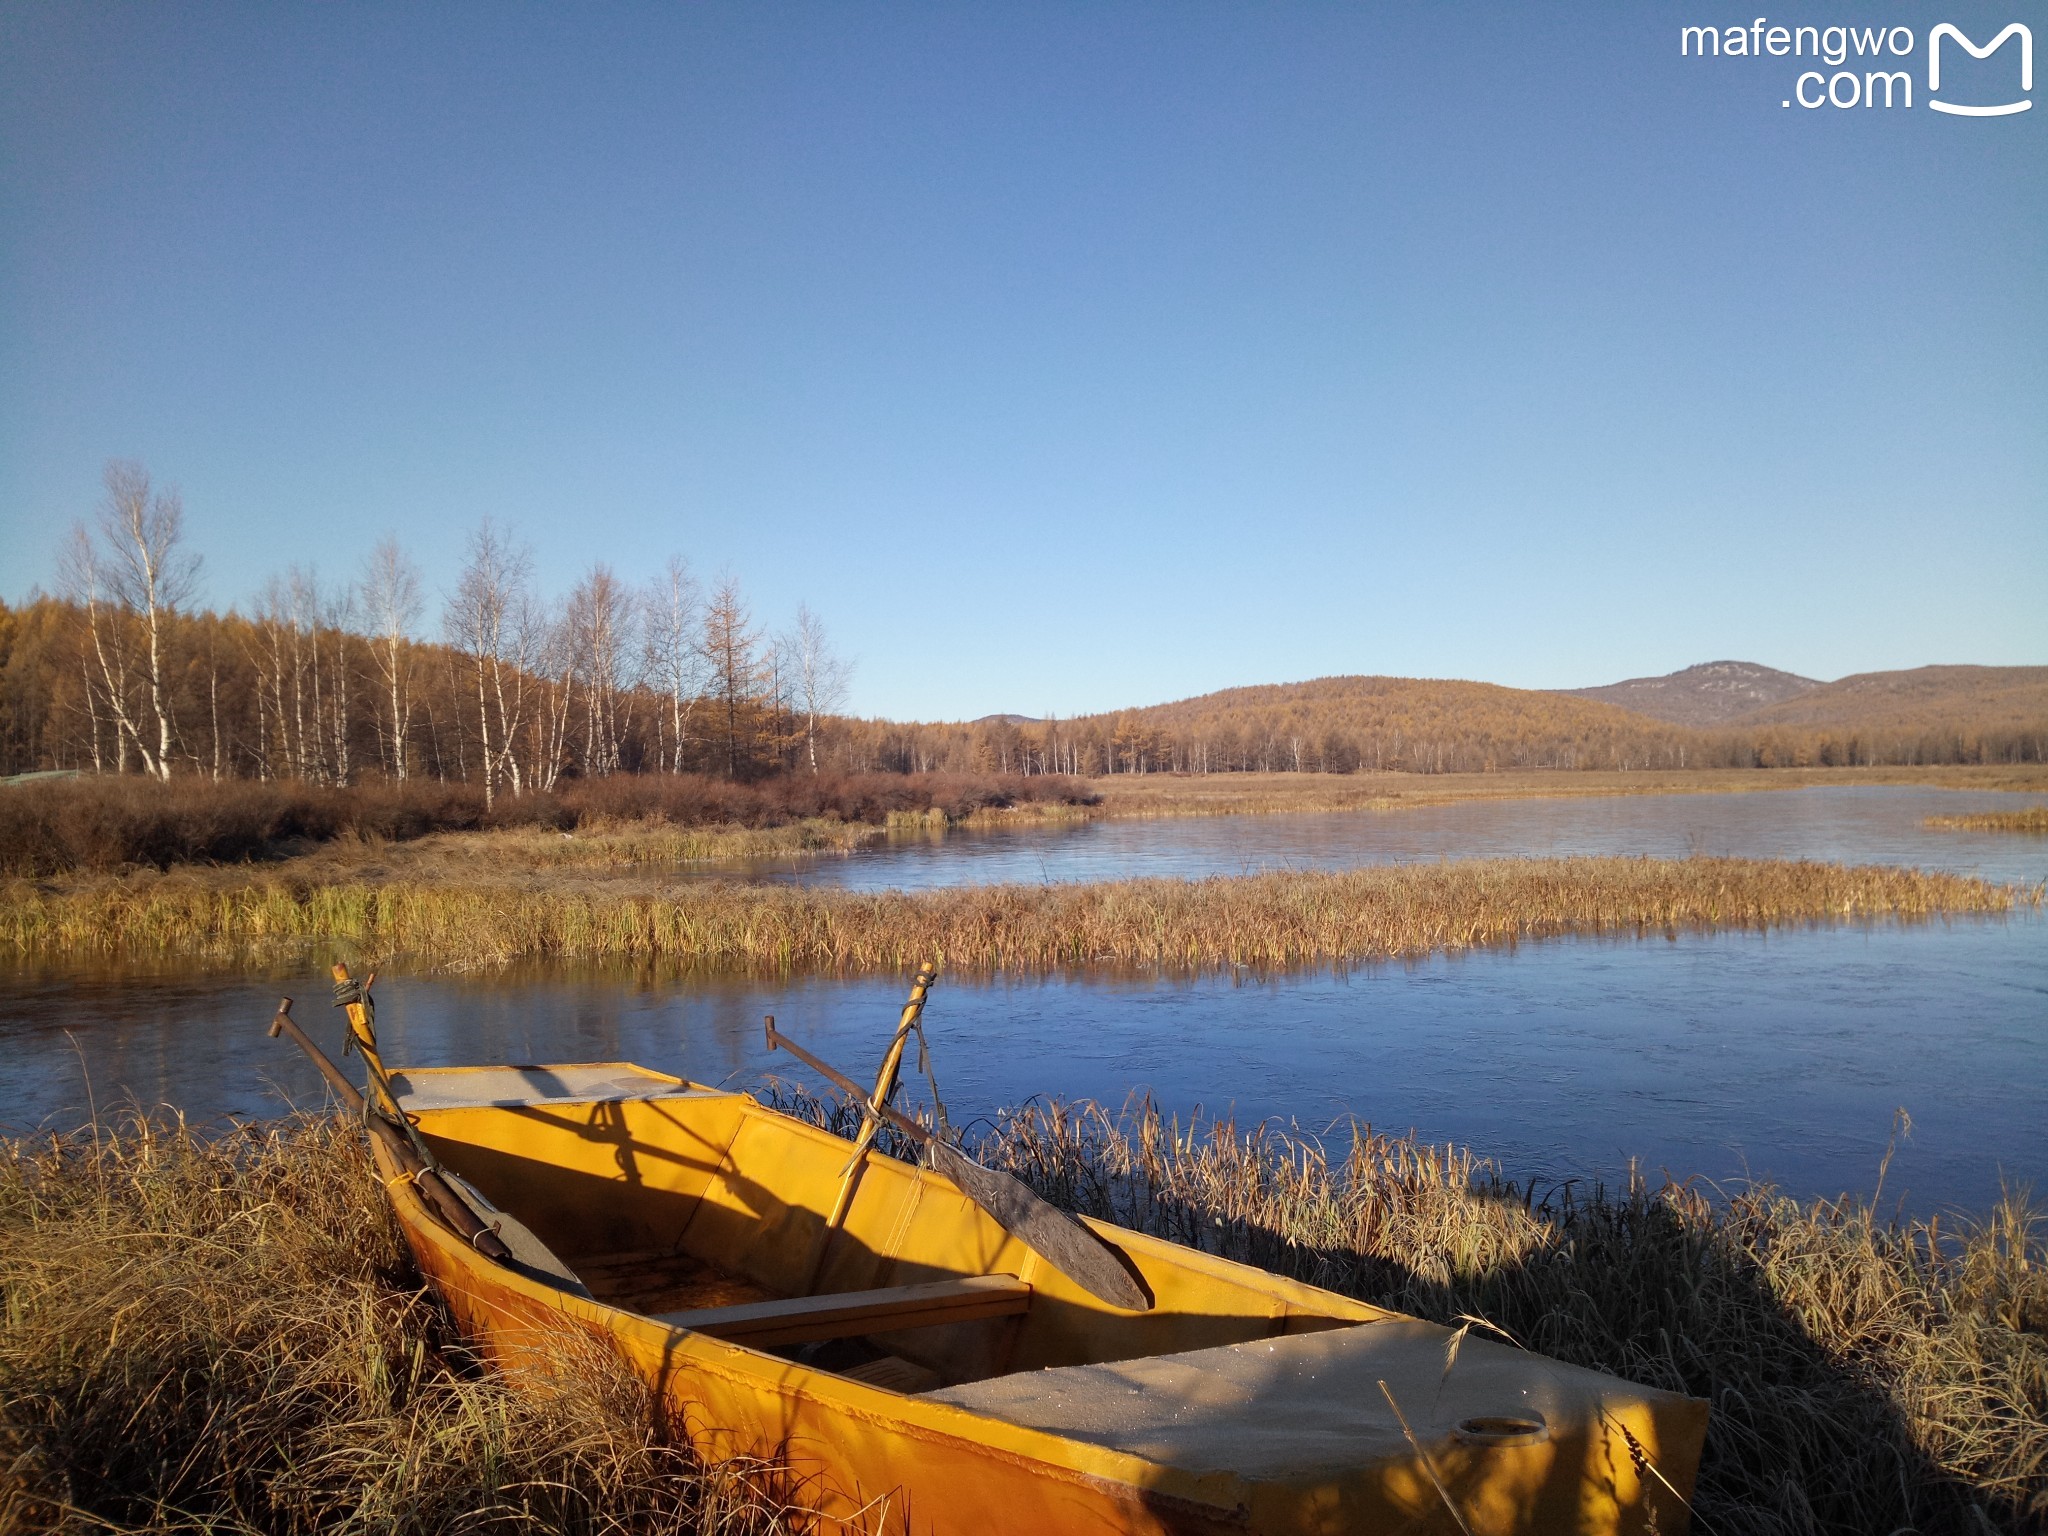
895,1463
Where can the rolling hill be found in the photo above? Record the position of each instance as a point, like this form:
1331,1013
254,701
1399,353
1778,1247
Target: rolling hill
1436,725
1719,714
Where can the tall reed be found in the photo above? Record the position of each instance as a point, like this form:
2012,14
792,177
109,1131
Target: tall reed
1261,921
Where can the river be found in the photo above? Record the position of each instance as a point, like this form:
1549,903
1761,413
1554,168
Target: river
1723,1056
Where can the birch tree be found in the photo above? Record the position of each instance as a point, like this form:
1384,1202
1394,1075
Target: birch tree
488,620
674,660
131,573
820,676
391,600
599,631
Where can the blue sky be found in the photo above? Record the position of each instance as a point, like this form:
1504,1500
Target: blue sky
1060,356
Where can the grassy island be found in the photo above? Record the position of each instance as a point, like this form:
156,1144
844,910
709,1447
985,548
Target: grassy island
1262,921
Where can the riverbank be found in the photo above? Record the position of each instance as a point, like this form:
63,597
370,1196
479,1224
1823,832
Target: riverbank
1864,1374
225,1333
1265,921
425,830
1268,794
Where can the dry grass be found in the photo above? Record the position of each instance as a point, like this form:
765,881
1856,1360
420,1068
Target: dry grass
601,845
1865,1376
1268,921
2034,820
1248,794
225,1336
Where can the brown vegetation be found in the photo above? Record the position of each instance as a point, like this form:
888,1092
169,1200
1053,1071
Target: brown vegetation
1261,921
1865,1375
1932,700
331,686
103,823
322,683
227,1335
1347,724
2032,820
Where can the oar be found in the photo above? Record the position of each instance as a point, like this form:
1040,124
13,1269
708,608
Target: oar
502,1236
1047,1230
885,1080
447,1204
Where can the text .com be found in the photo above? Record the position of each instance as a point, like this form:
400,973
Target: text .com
1864,68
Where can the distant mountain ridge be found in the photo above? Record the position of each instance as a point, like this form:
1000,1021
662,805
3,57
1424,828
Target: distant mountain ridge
1717,714
1712,693
1925,699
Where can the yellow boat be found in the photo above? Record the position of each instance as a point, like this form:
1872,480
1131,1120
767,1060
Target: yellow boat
922,1370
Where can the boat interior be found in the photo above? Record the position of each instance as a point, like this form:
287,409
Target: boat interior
705,1210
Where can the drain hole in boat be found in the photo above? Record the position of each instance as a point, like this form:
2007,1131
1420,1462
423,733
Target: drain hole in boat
1503,1429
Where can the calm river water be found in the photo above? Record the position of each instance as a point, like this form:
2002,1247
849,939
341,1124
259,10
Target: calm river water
1780,1055
1877,825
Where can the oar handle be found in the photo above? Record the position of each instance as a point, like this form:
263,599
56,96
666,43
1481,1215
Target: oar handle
285,1024
1054,1235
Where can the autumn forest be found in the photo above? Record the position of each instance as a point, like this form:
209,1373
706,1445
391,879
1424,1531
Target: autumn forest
328,682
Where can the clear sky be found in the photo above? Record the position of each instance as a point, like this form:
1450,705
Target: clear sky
1061,356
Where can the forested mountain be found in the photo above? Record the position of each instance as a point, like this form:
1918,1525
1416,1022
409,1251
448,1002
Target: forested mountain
1339,724
292,693
1342,724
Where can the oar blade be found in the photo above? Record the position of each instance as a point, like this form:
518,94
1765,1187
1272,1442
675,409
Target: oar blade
1058,1238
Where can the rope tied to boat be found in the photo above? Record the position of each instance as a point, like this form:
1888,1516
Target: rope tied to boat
924,1065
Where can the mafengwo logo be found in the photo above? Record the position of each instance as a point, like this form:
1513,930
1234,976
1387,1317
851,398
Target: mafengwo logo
1874,66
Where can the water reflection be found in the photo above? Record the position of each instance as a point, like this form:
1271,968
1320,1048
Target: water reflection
1782,1053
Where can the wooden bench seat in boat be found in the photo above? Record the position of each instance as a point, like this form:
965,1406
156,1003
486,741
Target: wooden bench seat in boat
1307,1407
854,1314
